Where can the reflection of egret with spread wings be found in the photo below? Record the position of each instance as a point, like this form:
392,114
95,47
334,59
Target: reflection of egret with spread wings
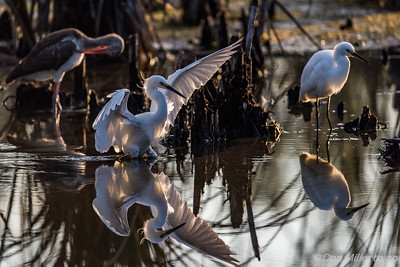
124,184
326,186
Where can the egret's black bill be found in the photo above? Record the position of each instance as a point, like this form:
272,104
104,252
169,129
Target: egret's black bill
173,90
354,210
169,87
354,54
170,231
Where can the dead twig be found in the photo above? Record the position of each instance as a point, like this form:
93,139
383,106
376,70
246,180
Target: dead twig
298,24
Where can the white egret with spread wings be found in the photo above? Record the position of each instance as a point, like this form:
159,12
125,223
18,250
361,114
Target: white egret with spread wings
133,134
120,186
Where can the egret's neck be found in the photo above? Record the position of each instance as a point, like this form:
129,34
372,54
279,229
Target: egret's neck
342,68
158,106
153,227
158,221
341,203
341,61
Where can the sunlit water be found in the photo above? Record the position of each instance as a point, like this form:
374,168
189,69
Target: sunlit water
47,188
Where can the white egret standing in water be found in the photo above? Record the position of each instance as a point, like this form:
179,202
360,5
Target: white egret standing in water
133,134
325,74
124,184
326,186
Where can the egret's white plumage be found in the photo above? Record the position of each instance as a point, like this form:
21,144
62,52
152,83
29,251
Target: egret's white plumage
326,186
326,72
133,134
124,184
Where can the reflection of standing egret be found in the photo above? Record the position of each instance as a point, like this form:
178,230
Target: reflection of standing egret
326,186
121,186
116,126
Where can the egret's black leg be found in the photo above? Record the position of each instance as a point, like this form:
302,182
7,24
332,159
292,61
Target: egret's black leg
327,114
316,116
328,142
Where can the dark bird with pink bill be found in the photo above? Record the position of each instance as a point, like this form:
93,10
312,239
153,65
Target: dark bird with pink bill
60,52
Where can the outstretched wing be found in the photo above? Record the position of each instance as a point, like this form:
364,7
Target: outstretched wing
196,233
106,122
192,77
107,204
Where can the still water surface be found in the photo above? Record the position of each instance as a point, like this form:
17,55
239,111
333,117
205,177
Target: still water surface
47,188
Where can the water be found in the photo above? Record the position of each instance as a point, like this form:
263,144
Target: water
47,187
